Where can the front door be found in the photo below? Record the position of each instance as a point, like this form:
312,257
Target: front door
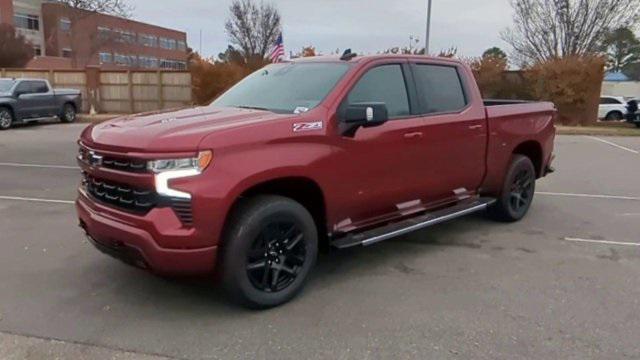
382,175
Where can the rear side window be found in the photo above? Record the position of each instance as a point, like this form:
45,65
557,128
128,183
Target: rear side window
439,88
383,84
40,87
609,101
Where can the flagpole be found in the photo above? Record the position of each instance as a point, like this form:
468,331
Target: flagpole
427,40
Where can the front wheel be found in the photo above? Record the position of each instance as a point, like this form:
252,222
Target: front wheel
517,192
6,118
68,113
270,247
614,116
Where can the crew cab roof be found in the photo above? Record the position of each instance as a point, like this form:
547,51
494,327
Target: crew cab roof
368,58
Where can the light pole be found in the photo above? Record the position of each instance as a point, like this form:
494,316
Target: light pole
428,38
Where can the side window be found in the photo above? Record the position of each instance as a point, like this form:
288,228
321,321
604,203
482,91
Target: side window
383,84
40,87
439,88
24,88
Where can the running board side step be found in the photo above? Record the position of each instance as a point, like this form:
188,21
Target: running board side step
387,232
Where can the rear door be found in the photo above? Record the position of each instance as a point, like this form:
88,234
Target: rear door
455,131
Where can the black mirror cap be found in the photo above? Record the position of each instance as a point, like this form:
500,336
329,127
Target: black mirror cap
366,114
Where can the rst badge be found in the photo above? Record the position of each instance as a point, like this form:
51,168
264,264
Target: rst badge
308,126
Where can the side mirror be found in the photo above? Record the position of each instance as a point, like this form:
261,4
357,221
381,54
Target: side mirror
366,114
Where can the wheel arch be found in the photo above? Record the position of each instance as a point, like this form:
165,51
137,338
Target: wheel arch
301,189
614,112
533,150
10,108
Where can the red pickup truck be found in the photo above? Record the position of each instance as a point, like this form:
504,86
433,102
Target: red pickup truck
340,152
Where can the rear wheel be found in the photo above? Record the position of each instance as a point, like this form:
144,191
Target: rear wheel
517,192
68,113
270,248
6,118
614,116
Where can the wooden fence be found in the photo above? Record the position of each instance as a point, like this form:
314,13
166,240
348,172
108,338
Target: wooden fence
118,91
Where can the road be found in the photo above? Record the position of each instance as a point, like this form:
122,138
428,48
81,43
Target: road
563,283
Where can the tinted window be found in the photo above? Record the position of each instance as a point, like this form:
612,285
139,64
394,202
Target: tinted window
24,87
609,101
383,84
285,87
439,88
39,87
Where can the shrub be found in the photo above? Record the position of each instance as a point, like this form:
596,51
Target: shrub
573,84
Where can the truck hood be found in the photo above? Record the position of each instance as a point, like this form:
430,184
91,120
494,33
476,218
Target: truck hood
5,94
172,131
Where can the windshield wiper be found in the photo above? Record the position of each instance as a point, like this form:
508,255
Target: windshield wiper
252,108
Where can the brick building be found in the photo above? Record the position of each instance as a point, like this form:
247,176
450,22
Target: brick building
87,38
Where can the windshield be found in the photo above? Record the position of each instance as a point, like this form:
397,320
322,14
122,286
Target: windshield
284,88
6,85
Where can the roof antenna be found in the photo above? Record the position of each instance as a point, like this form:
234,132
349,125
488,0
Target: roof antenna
348,55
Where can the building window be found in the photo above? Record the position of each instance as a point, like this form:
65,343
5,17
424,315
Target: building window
148,40
169,44
106,58
148,62
66,53
37,50
65,24
173,64
27,22
182,45
104,33
126,60
124,36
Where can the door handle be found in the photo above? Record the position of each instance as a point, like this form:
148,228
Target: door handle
413,135
475,127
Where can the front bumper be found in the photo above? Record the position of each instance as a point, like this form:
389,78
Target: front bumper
135,239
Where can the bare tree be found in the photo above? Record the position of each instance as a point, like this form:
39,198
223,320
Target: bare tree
253,28
110,7
622,48
15,51
549,29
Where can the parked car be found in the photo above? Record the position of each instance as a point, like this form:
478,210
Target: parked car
322,151
25,100
633,115
612,108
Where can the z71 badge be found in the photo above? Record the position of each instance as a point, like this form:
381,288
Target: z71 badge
310,126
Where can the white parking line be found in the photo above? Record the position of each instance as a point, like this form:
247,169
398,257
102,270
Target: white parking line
592,196
39,166
614,144
603,242
52,201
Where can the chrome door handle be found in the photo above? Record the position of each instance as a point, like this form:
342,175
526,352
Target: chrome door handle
413,135
475,127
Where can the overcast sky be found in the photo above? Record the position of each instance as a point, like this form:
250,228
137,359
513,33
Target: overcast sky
366,26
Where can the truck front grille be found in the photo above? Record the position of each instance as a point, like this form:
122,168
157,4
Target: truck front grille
120,196
128,165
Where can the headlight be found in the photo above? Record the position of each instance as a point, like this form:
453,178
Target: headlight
168,169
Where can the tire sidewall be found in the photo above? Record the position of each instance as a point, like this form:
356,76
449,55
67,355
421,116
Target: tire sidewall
64,117
5,110
518,163
241,237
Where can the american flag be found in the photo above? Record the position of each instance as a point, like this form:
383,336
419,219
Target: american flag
277,54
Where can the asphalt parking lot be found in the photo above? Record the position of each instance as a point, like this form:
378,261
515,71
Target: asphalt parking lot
563,283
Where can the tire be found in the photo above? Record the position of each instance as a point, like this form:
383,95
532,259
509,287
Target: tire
614,116
638,124
68,114
270,247
6,118
517,192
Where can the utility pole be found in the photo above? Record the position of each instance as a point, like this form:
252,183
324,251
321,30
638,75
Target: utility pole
427,40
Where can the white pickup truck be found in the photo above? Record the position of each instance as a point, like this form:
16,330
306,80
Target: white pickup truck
24,100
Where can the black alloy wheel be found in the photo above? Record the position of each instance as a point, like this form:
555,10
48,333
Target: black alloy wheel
276,257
